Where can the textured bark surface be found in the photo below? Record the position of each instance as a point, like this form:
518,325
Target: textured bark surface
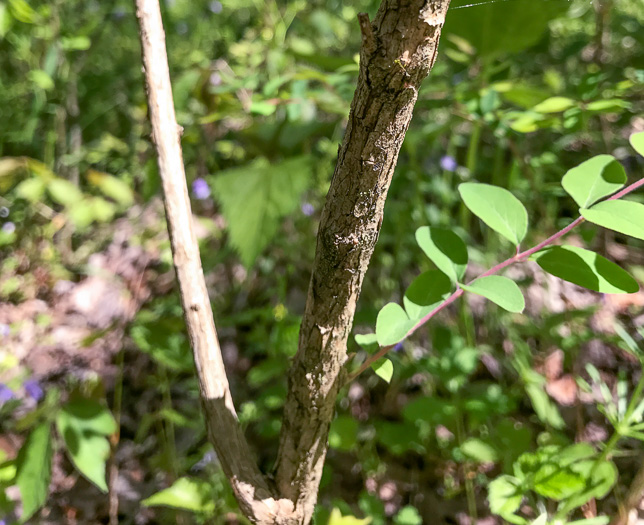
398,51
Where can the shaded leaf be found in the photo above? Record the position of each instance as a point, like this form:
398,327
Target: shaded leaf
625,217
497,208
445,249
192,494
500,290
425,293
594,179
392,324
33,471
343,433
585,268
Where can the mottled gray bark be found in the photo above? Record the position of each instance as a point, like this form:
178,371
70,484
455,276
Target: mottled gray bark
398,51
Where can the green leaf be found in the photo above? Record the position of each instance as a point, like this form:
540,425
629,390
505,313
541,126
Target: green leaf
256,197
408,516
343,434
479,450
31,189
523,24
34,470
445,249
594,179
500,290
497,208
84,425
64,192
337,518
585,268
366,339
112,187
545,409
505,495
392,325
599,520
637,141
554,105
41,79
192,494
553,482
425,293
625,217
384,369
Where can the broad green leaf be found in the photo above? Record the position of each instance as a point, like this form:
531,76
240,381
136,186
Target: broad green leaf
505,495
425,293
625,217
594,179
366,339
557,483
554,105
479,450
192,494
523,24
497,208
598,481
445,249
500,290
343,434
33,471
112,187
84,425
64,192
408,516
337,518
384,369
256,197
585,268
637,141
392,324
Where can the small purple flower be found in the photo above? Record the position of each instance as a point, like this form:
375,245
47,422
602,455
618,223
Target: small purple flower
398,347
5,330
308,209
5,393
33,389
448,163
215,79
8,227
215,7
4,212
200,189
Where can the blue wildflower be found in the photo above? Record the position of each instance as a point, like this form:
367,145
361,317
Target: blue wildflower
215,7
308,209
200,189
448,163
8,227
33,389
398,347
6,393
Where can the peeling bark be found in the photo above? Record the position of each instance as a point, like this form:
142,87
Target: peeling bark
398,51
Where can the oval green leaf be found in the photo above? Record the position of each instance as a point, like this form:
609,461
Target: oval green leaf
33,470
637,141
192,494
594,179
497,208
425,293
554,105
585,268
392,325
384,369
445,249
625,217
500,290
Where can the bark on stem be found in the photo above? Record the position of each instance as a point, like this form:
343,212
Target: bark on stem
399,49
224,431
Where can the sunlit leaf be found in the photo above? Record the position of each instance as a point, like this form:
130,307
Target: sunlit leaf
585,268
594,179
384,369
337,518
625,217
637,141
33,471
64,192
445,249
408,516
497,208
479,450
192,494
500,290
505,495
554,105
392,324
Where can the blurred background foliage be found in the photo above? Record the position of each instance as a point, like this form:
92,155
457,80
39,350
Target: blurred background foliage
522,91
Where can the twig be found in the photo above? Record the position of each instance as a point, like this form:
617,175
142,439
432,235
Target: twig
518,257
